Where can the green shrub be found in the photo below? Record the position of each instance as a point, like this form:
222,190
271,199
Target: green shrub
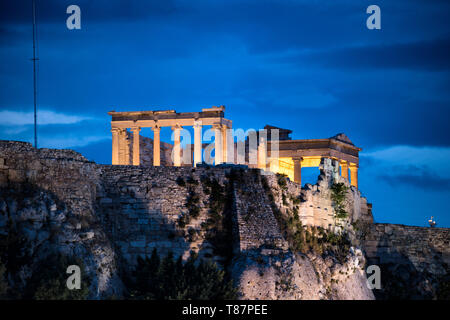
180,182
169,279
192,181
283,197
48,282
338,193
281,179
182,221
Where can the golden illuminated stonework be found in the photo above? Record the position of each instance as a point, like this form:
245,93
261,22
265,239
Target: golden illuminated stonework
272,149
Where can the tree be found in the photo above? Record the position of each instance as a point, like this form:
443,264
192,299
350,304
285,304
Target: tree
170,279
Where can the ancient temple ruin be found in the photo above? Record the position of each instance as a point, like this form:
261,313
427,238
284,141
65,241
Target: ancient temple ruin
274,150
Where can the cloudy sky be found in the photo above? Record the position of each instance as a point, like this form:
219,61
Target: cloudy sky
311,66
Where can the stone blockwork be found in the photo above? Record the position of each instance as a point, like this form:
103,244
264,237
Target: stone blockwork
414,261
142,207
253,207
278,273
110,215
313,203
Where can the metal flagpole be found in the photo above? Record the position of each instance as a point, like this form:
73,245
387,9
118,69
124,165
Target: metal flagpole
34,73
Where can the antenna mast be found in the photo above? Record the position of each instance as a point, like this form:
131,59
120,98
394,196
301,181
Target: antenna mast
34,73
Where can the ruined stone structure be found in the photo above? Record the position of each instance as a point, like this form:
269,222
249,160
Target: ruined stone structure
275,150
293,155
109,215
121,121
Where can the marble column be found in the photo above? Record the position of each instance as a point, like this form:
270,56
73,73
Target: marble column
225,144
344,169
124,147
176,145
136,146
297,169
115,146
354,174
197,142
262,154
156,146
218,144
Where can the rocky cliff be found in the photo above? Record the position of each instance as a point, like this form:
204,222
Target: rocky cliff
414,261
275,239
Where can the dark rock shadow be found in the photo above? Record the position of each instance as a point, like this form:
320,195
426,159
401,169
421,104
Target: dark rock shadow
405,279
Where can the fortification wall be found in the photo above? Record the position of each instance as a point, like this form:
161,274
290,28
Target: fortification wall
257,227
414,261
143,205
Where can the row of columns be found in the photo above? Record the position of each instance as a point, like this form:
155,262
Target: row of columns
120,145
345,167
344,171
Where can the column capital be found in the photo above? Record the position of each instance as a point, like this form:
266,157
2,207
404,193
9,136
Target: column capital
176,127
115,130
353,165
156,128
216,126
297,159
198,124
135,129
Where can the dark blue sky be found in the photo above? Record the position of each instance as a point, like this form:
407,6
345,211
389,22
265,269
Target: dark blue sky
311,66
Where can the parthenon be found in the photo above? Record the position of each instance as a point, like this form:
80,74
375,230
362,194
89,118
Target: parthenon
273,152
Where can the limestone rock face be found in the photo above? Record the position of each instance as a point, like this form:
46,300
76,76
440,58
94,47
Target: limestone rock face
265,275
266,268
110,215
48,196
313,202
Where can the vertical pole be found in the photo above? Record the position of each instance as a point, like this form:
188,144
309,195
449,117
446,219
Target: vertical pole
34,74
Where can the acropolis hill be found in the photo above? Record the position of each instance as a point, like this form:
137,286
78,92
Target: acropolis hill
276,238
